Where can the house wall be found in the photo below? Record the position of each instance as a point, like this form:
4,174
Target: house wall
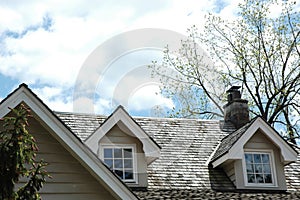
260,142
229,170
70,180
117,136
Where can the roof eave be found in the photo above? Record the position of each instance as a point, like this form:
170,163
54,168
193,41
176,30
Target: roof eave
150,147
289,154
67,138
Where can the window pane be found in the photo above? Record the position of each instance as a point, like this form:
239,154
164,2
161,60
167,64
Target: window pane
250,168
257,158
259,178
109,163
258,168
268,178
248,158
118,153
107,153
119,173
118,163
251,178
267,169
265,158
128,174
127,153
128,163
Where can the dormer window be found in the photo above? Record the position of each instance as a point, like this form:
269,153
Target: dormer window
259,168
128,148
120,159
254,157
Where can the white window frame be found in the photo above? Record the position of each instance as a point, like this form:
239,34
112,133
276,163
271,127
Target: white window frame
272,166
123,146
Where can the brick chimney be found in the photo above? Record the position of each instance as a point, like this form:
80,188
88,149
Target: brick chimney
236,110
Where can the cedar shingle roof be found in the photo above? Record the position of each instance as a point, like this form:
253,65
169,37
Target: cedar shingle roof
228,141
215,195
182,171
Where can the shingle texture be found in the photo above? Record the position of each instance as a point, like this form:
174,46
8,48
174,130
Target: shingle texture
82,125
187,145
214,195
228,141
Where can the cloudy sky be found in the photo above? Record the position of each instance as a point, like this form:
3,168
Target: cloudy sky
89,56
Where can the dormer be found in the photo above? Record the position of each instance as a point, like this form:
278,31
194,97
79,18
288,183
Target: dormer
254,155
124,147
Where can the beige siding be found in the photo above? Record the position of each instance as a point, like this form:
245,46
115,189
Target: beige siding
261,142
70,180
229,170
117,136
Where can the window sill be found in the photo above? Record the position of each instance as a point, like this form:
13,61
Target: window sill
262,186
131,182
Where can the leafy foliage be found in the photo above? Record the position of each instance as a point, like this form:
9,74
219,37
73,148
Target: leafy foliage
18,152
259,50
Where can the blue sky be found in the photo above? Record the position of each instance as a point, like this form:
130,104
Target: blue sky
48,44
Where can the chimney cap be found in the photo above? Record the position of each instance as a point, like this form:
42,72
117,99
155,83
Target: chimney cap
233,88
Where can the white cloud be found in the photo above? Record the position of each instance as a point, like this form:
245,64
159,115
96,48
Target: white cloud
229,12
103,106
83,105
54,98
148,97
46,43
55,56
60,105
179,16
48,92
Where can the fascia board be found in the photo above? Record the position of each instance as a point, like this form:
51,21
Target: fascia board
220,160
93,140
289,155
68,140
149,147
235,152
15,99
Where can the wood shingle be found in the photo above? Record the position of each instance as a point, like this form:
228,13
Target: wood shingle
182,171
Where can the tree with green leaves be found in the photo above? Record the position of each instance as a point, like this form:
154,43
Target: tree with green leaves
258,50
18,158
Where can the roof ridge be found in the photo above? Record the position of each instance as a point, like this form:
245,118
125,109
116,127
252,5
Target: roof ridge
179,118
140,117
78,113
